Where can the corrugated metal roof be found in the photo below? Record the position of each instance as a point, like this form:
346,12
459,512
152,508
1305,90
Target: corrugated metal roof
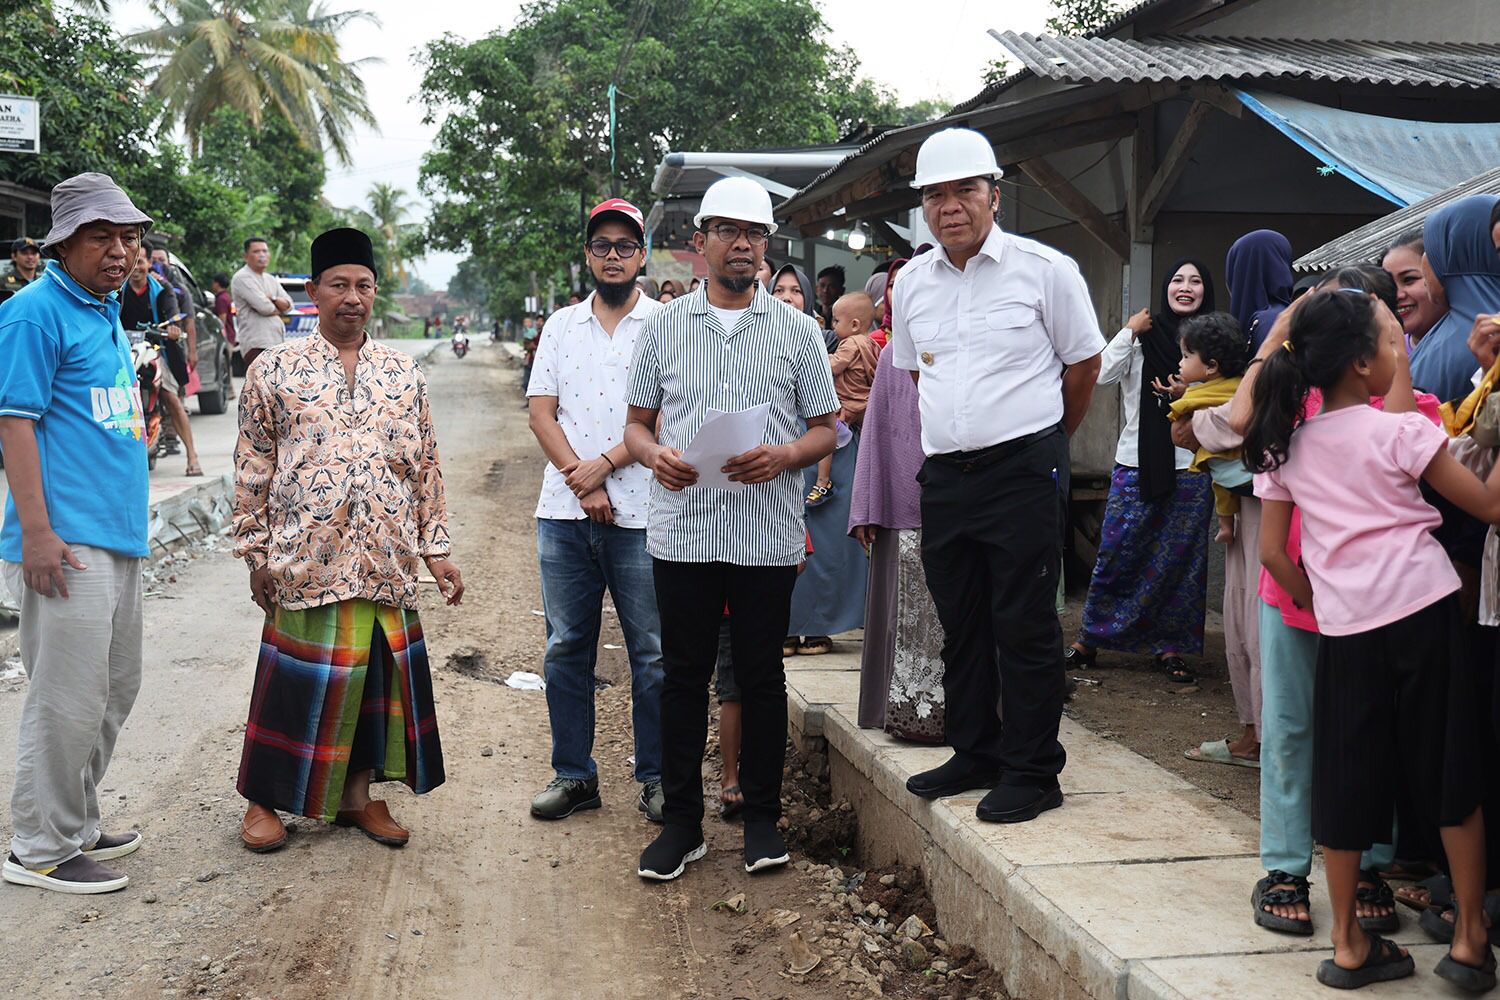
1184,59
1368,242
1188,59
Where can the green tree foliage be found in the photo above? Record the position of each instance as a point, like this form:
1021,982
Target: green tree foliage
525,135
268,160
1081,17
281,56
95,111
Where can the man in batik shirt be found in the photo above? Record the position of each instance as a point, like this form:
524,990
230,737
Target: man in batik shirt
338,501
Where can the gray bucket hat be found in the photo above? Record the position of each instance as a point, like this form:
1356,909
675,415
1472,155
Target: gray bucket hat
86,198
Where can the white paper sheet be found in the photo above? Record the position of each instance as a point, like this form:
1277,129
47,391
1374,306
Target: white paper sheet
722,437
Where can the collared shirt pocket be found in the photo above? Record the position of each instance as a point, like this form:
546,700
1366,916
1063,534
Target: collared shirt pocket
1017,337
928,341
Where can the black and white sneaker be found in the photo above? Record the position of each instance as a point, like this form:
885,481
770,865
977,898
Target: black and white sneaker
671,852
764,847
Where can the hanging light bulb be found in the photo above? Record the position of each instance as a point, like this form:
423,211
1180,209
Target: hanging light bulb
857,239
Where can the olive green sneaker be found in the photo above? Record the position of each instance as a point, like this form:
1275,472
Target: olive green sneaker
652,800
565,796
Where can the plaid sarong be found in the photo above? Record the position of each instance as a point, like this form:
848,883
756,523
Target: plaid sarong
339,688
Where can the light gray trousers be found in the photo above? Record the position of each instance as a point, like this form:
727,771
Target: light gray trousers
83,662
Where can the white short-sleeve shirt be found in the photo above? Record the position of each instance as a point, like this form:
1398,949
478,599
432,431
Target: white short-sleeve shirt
991,341
588,371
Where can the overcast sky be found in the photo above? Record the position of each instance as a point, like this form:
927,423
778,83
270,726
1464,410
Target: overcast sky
934,49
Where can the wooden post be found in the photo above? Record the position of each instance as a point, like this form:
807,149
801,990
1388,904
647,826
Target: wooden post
1094,222
1173,162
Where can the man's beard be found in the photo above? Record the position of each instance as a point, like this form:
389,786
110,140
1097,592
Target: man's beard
614,293
736,285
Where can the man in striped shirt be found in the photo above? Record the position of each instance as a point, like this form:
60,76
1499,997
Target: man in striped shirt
729,346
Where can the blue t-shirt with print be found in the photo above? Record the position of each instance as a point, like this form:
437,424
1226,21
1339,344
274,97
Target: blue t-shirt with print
65,363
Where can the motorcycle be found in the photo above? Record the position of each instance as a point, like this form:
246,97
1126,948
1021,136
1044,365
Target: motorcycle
460,344
146,358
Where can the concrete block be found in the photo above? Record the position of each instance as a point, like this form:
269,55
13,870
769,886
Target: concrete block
1125,826
1271,977
1099,765
1122,905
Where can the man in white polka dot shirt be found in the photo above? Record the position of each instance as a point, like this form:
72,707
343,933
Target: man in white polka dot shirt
591,519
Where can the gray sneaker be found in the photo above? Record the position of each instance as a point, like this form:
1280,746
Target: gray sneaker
565,796
652,800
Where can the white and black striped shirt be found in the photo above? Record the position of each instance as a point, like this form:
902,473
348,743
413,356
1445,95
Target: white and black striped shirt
685,362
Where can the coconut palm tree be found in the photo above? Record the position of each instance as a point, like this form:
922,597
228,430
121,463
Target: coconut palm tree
259,56
389,206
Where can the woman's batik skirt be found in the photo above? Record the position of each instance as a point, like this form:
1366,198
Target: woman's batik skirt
340,688
1150,580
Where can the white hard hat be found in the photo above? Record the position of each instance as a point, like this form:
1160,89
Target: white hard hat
736,198
952,155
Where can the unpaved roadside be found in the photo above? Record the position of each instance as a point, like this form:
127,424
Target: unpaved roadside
485,902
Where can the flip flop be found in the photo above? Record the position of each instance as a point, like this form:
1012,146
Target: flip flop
1217,752
730,808
1408,871
193,470
1439,893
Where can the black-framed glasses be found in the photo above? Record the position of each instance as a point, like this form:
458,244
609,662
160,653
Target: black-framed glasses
625,248
730,233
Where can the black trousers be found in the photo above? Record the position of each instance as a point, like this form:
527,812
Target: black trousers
691,598
992,551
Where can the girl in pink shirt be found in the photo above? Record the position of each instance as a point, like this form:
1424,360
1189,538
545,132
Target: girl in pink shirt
1385,597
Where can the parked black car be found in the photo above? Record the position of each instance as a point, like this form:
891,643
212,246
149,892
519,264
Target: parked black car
213,349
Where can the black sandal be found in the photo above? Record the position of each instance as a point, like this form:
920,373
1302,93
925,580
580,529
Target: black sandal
1474,978
1441,930
1377,894
1383,964
1264,896
1076,659
1176,669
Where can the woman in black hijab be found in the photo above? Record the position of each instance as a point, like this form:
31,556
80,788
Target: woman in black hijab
1150,580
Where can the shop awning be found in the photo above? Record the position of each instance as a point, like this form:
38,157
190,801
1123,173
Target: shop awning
1401,161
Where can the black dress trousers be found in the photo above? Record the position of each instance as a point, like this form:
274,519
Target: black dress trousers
992,525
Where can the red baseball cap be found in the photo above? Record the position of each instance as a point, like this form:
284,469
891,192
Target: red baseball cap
617,207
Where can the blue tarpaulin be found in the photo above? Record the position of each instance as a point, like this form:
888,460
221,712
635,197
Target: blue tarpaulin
1399,160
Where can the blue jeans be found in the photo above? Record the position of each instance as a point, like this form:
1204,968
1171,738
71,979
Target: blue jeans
1288,665
578,560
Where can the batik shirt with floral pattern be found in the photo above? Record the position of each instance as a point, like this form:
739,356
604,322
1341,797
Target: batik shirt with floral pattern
339,493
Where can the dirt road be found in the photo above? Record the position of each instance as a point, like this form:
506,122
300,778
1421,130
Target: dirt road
484,902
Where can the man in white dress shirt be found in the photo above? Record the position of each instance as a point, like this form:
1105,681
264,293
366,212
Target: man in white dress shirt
1001,338
591,519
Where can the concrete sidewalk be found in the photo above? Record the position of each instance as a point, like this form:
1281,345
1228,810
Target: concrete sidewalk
1137,889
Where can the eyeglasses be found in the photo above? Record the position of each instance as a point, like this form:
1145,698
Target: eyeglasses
727,233
625,248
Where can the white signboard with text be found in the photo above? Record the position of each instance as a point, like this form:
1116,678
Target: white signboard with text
20,124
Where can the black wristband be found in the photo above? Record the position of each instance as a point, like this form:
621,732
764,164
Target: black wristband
612,466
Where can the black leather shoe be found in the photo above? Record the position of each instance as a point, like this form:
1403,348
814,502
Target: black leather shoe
959,774
1017,803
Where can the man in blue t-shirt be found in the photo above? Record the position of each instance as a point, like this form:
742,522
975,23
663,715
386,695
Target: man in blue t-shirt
74,533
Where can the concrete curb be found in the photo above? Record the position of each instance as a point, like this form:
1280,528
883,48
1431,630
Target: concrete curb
1137,889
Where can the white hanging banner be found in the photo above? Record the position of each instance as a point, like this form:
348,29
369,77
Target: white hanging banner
20,124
